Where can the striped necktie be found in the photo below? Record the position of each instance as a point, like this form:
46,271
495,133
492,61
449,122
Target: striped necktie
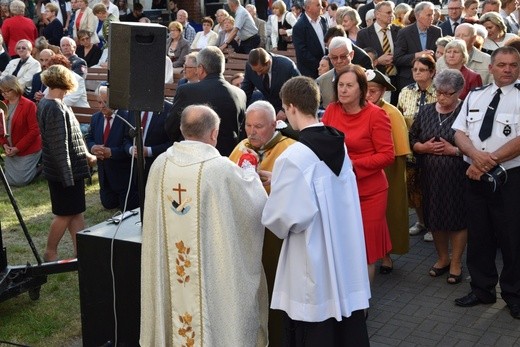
390,69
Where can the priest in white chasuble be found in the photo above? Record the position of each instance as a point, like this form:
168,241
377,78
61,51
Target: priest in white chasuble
202,281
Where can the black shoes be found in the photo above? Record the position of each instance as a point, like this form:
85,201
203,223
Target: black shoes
472,300
514,309
385,270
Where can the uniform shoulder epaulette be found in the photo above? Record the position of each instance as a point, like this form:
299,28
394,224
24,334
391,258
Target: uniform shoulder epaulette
483,87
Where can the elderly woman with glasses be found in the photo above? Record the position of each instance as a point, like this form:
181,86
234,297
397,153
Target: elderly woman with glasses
411,99
456,56
23,67
53,31
20,136
177,47
443,174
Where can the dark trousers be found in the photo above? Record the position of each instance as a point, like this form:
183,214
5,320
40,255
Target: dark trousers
494,221
351,331
248,45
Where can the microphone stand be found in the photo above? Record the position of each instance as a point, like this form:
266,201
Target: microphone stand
136,115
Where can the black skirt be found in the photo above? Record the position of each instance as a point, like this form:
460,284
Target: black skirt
67,201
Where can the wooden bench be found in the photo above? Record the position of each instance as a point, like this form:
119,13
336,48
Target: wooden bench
169,91
84,114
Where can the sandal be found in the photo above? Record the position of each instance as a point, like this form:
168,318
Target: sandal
436,272
454,279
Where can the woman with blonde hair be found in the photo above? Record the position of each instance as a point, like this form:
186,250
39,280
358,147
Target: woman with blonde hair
350,20
65,158
53,31
497,32
456,57
177,47
281,22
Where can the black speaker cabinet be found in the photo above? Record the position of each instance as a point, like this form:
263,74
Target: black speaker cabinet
137,53
95,283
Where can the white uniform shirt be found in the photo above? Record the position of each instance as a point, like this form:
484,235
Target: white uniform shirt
506,126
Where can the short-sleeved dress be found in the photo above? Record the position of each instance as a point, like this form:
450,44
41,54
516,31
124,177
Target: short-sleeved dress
443,177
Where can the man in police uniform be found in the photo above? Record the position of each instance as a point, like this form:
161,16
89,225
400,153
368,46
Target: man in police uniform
488,133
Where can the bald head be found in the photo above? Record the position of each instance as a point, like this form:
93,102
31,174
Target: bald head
45,56
200,123
468,33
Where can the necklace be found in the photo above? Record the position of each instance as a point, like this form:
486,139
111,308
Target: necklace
451,114
445,119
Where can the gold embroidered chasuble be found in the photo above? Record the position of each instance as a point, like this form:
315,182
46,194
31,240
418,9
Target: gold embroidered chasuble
202,281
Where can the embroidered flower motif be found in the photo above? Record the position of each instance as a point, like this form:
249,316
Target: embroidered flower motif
187,331
182,262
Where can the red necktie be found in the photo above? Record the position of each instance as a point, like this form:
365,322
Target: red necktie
144,120
107,129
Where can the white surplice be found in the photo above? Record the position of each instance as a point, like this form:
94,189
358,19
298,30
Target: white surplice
202,281
322,271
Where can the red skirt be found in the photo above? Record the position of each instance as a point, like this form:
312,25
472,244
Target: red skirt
377,235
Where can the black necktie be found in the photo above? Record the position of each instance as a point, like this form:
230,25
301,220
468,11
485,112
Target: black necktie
18,67
266,82
423,99
455,26
487,124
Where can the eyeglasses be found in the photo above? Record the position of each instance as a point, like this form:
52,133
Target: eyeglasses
339,57
420,69
454,8
439,93
21,48
189,67
6,91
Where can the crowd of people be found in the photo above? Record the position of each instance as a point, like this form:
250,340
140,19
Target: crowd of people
303,169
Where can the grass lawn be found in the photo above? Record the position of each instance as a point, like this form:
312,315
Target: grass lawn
54,319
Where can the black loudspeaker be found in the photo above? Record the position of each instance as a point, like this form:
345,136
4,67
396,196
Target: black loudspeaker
95,283
137,53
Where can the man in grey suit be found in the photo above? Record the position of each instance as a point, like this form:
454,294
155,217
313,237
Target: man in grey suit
415,41
308,38
340,55
227,100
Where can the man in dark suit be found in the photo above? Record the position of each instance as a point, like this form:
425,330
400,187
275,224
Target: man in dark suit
268,72
415,41
155,138
308,38
454,18
227,100
363,10
374,37
107,139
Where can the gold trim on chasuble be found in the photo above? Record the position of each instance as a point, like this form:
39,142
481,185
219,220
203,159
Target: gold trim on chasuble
183,258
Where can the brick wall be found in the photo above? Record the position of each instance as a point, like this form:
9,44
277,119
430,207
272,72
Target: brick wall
193,9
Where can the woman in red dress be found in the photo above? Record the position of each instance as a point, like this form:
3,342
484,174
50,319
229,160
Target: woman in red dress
368,137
